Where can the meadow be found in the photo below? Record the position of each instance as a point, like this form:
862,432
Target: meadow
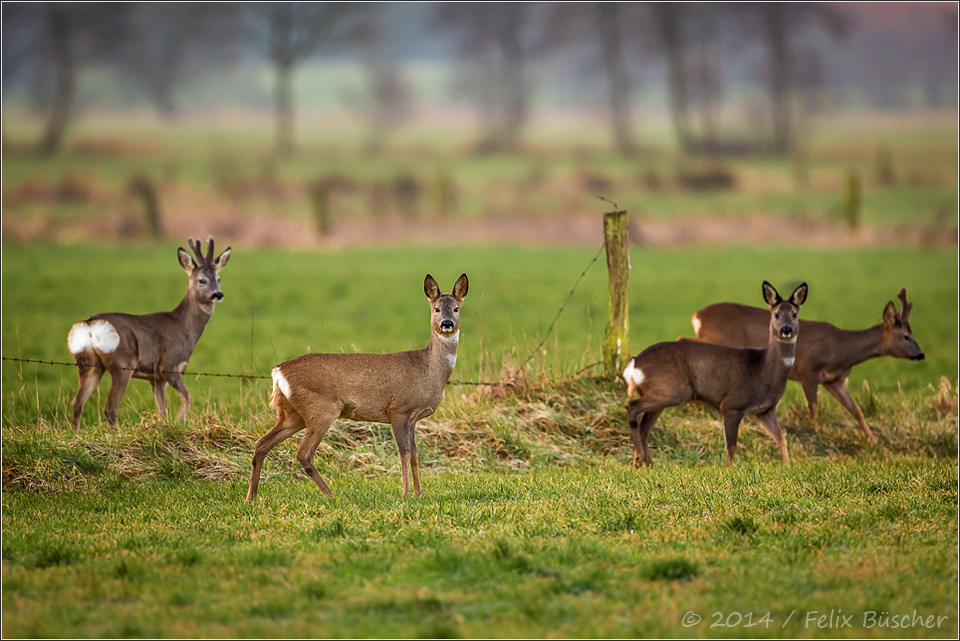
532,521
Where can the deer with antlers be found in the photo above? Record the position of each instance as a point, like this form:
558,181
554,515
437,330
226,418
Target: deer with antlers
155,347
825,353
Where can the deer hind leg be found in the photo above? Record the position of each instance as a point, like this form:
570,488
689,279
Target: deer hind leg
769,421
289,422
317,428
640,430
840,392
121,378
810,386
89,375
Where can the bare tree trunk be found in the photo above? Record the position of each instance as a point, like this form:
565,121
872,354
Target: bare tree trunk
779,75
514,93
283,108
612,50
66,81
668,15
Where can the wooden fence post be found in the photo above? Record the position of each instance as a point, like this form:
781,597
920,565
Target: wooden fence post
616,340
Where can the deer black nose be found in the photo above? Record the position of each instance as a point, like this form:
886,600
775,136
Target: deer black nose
786,332
918,357
217,296
446,326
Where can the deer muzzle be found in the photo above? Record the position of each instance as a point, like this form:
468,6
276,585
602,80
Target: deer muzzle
446,326
218,296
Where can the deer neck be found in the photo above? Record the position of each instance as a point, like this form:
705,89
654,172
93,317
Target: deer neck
193,316
780,354
857,346
442,353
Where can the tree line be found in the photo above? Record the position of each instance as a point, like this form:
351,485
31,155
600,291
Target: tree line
157,47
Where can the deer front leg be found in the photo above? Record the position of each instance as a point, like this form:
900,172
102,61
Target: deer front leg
840,392
769,421
731,430
121,378
403,435
160,395
176,383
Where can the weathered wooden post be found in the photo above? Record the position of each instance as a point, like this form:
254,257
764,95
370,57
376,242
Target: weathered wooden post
616,340
143,188
320,205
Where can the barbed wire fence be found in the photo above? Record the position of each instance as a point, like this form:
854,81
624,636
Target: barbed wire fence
523,366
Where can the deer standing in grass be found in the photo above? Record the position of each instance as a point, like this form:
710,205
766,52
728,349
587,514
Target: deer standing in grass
825,353
737,381
314,390
155,347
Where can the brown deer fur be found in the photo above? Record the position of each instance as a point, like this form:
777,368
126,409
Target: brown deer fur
825,353
154,347
737,381
313,390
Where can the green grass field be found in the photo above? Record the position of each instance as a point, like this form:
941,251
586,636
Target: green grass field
532,521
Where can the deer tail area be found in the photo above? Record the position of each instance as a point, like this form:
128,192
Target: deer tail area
280,388
97,335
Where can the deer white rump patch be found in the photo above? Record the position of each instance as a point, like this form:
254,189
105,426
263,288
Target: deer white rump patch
98,335
633,375
279,380
697,324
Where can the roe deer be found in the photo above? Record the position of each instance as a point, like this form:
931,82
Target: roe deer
155,347
737,381
314,390
825,353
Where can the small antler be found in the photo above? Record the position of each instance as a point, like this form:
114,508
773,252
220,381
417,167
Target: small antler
905,305
197,249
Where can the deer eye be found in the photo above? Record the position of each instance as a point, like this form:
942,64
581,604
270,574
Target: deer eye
436,309
456,309
203,281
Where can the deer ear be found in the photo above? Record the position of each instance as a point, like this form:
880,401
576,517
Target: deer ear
799,295
222,259
186,261
770,294
890,314
430,288
461,286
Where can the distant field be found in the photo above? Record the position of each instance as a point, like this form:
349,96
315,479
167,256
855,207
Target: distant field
223,166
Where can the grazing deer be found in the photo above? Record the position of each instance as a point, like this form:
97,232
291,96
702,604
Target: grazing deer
737,381
313,390
825,353
155,347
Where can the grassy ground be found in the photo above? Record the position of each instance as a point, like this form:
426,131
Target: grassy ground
532,523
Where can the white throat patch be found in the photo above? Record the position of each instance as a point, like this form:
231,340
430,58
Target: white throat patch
452,360
450,338
789,361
